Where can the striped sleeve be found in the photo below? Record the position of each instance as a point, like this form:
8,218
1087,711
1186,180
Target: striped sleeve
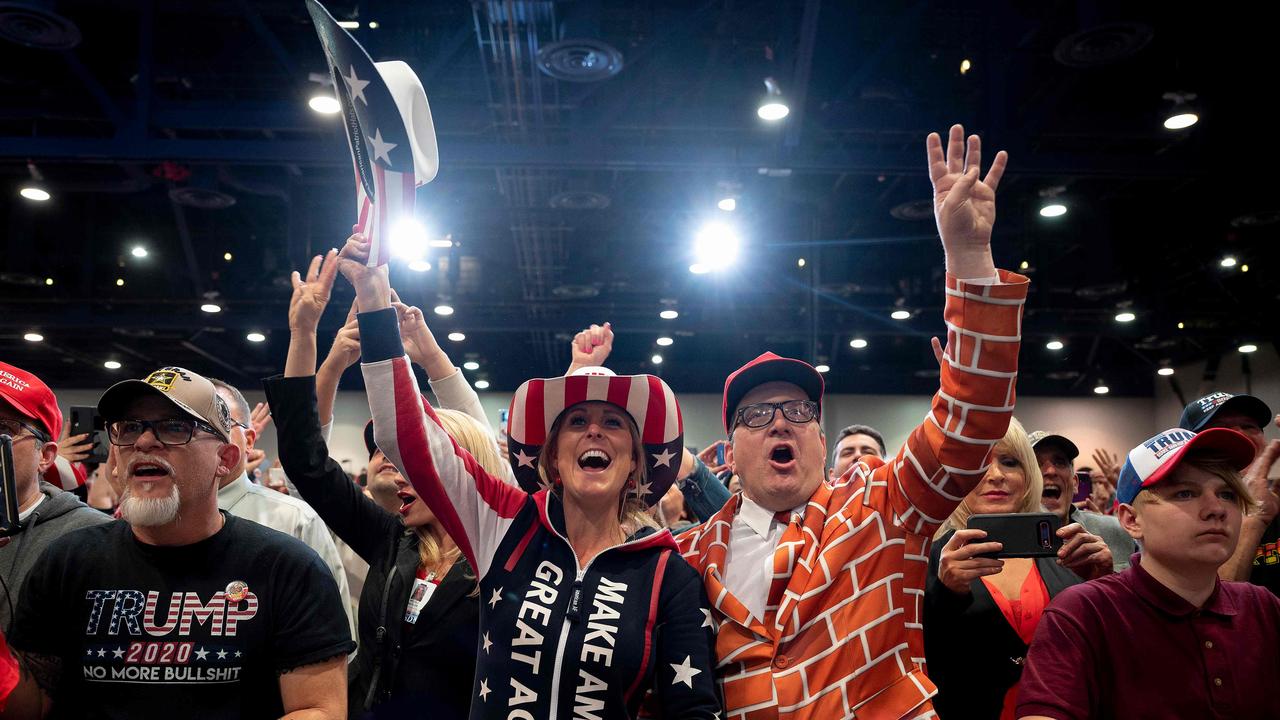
946,456
475,507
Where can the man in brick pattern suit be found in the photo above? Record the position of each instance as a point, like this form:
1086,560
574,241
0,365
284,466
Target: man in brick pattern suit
817,586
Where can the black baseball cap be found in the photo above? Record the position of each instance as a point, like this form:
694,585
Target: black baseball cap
1198,414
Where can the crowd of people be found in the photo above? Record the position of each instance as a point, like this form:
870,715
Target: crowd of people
583,562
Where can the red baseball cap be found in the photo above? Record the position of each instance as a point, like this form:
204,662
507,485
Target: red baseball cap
31,397
769,367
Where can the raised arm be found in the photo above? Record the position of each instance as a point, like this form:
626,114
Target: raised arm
447,382
475,507
303,450
946,456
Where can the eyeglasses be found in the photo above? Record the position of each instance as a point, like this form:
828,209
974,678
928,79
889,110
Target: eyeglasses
761,414
13,428
175,431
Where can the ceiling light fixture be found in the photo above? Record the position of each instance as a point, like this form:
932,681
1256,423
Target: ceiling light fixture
457,336
471,365
1248,348
1053,209
728,204
138,251
822,368
255,337
715,246
419,265
1165,371
772,107
211,308
656,359
1053,345
33,337
111,365
857,343
444,309
324,104
1227,262
669,314
34,193
1125,317
900,314
480,384
1101,389
664,341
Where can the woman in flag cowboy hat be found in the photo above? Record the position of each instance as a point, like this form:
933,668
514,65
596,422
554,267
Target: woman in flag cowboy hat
575,617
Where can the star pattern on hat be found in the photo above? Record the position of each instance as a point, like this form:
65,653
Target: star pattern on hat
684,672
642,489
355,86
525,460
663,458
381,148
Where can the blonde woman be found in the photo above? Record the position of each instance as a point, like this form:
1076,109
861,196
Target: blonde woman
980,613
419,611
575,617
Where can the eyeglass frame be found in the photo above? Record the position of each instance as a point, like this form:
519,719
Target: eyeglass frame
739,419
33,431
149,425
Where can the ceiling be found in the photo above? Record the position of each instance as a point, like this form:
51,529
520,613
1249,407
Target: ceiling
184,127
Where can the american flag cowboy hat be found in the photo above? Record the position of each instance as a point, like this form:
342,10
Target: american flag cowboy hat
647,399
389,132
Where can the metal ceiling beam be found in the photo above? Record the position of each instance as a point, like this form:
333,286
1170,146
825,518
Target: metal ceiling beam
577,154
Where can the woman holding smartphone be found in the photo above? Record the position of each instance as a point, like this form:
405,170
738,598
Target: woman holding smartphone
574,615
980,613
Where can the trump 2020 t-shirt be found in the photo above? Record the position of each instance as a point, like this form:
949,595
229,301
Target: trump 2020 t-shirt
200,631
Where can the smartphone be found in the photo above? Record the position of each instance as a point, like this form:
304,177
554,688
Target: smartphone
719,454
1022,534
8,489
275,480
1084,487
85,419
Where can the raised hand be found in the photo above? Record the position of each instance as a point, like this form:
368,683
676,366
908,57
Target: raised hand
708,457
1108,464
74,448
419,342
958,565
1264,490
592,346
311,295
373,289
345,350
260,418
964,205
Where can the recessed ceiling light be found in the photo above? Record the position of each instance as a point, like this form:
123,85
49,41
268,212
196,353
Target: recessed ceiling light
443,309
728,204
457,336
699,269
1165,371
256,337
324,104
1181,325
773,111
1244,268
900,314
48,281
1053,210
419,265
471,365
656,359
822,368
111,365
1181,121
665,341
211,308
34,193
669,314
857,343
1227,262
33,337
349,24
480,384
1054,345
1248,348
119,282
1125,317
800,262
226,256
138,251
1102,390
965,66
373,24
1024,265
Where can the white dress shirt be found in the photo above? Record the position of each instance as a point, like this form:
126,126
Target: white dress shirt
748,562
291,516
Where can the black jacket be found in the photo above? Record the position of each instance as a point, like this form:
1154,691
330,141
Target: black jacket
972,653
426,671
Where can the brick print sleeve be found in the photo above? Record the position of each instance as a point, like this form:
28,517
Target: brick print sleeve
475,507
945,457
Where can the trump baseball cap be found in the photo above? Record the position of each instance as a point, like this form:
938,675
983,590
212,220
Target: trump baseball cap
189,391
1198,414
31,397
1153,460
1048,438
769,367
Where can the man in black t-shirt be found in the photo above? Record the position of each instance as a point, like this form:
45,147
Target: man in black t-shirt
181,611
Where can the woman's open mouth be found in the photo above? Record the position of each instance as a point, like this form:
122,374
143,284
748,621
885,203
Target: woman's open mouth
594,460
407,500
